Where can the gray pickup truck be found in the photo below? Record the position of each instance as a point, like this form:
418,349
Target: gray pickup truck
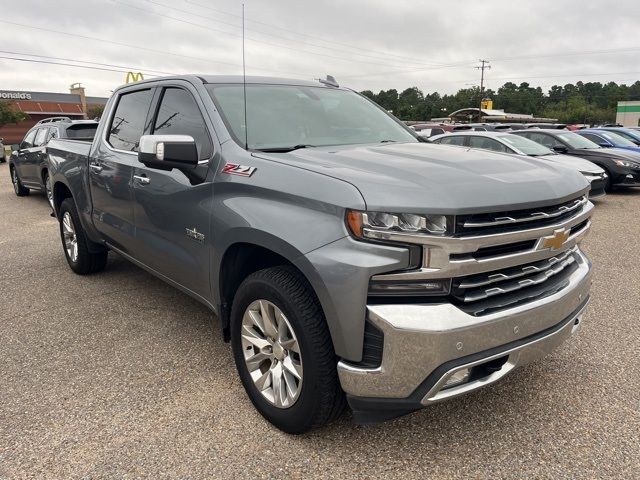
346,260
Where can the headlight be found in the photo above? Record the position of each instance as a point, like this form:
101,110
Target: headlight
375,224
627,163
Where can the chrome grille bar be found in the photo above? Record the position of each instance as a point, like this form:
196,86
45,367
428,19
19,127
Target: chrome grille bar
523,271
509,287
542,215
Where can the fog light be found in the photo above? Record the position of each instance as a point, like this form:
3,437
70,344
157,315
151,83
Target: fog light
458,378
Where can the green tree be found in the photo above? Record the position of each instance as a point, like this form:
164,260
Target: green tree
9,115
95,111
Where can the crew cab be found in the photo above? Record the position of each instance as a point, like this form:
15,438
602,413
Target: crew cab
28,162
344,258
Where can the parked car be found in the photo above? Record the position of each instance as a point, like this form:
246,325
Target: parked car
3,158
28,161
630,133
607,139
340,253
622,166
427,131
507,143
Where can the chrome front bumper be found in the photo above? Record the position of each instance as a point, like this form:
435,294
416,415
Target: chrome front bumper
425,344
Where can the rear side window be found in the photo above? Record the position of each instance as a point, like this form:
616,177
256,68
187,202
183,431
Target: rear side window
436,131
593,138
81,131
28,140
486,144
41,137
543,139
457,140
178,114
127,123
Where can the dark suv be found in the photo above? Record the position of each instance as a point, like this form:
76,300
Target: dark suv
28,161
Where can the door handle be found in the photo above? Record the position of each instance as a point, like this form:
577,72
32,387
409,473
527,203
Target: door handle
143,179
95,167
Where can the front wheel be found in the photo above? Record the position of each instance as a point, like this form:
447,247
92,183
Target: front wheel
21,191
283,351
75,243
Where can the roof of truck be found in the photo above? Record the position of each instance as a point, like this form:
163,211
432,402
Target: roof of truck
222,79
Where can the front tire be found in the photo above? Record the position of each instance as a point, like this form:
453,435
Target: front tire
75,243
18,188
283,351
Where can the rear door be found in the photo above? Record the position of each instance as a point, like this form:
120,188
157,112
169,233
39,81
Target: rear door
22,159
111,168
168,203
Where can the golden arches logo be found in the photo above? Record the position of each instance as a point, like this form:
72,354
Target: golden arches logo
133,77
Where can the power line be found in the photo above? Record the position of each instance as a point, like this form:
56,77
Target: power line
140,47
141,69
277,45
384,57
89,67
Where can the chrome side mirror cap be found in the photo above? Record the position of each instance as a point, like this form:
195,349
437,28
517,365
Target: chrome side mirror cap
166,152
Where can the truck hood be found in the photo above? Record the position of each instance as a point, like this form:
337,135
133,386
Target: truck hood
428,178
576,163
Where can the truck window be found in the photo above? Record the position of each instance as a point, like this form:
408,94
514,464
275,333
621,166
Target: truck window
82,130
127,123
178,114
28,140
41,137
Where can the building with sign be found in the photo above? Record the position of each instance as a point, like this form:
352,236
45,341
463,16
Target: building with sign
39,105
628,114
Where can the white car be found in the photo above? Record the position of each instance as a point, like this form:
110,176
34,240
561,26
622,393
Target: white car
517,145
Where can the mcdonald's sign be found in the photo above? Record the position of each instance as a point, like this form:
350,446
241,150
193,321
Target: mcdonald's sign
133,77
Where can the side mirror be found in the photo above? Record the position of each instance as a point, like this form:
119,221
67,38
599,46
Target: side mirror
166,152
15,148
560,149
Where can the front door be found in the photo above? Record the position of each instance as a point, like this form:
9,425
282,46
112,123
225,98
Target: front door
111,168
172,208
26,157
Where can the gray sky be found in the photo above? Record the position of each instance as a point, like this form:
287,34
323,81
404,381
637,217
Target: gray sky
374,44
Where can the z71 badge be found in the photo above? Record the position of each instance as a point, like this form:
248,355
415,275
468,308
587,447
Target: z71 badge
235,169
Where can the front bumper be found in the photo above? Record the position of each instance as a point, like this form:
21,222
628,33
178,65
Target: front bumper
630,179
425,344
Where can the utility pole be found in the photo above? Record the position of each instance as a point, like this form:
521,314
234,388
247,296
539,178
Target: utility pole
484,64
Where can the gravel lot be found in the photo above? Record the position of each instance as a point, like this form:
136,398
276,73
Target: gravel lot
120,375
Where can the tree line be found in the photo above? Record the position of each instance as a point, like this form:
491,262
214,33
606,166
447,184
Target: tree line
591,102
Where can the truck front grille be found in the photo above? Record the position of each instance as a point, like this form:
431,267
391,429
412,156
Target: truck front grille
488,223
483,293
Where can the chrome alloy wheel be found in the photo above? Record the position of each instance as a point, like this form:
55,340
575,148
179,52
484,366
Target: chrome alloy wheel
272,353
14,180
70,238
47,187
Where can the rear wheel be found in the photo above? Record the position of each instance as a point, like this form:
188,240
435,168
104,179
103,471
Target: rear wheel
75,243
283,351
21,191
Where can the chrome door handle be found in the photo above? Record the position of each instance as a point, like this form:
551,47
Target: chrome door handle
95,167
144,180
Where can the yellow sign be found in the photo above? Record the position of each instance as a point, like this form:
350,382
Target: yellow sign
486,104
133,77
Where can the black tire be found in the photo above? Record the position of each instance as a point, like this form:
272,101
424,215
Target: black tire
86,261
608,187
19,189
321,399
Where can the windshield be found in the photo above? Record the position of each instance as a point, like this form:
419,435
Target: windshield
577,141
286,116
617,140
526,146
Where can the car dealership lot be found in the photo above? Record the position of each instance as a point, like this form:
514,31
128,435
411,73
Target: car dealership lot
119,374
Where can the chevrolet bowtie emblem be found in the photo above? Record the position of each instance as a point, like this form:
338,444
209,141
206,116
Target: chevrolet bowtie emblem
555,241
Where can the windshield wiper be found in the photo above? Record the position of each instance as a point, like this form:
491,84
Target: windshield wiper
285,149
387,141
